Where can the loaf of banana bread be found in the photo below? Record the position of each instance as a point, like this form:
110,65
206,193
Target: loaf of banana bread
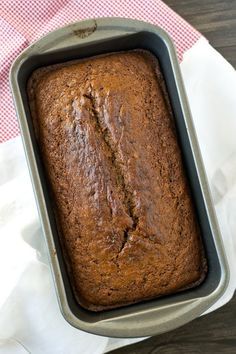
121,198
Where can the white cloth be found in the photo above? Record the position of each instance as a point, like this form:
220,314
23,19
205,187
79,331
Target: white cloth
210,82
30,319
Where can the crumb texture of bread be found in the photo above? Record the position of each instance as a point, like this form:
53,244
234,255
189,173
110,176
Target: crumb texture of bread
108,144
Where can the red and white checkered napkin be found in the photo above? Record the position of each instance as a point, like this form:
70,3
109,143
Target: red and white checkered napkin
24,21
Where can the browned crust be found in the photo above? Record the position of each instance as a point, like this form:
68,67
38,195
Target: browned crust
37,83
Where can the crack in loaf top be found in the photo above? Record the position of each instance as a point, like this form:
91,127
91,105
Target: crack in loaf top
121,199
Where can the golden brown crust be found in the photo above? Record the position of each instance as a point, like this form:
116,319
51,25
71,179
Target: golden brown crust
108,143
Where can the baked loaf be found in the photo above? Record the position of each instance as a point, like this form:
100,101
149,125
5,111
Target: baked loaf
121,199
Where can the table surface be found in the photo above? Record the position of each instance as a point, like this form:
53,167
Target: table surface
216,332
215,19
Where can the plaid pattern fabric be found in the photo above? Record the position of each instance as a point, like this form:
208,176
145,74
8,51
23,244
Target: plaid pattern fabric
22,22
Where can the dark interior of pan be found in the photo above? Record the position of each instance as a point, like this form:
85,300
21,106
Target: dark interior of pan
156,45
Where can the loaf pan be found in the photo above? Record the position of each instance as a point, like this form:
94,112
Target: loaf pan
85,39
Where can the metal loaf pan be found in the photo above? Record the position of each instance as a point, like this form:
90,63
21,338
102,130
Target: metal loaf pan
85,39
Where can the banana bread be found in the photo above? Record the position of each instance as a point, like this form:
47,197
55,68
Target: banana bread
121,199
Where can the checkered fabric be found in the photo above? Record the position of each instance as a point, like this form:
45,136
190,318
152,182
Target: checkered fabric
24,21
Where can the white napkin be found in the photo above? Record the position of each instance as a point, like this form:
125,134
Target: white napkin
210,82
30,319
